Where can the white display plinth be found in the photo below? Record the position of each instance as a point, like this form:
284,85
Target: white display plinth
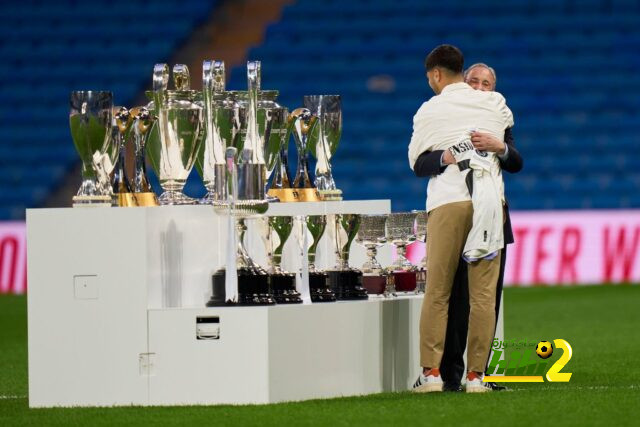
115,293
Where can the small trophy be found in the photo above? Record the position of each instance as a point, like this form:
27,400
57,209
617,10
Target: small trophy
400,231
421,234
276,231
302,123
372,235
172,149
142,123
121,189
319,286
346,281
90,120
329,129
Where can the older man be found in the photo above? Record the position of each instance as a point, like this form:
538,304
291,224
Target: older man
444,123
481,77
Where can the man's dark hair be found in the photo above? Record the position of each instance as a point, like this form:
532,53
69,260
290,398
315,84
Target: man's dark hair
446,56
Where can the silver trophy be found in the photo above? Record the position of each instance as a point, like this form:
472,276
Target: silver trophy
90,121
223,121
120,183
172,149
319,285
271,123
346,281
329,112
302,124
275,232
244,176
142,124
372,235
401,232
421,235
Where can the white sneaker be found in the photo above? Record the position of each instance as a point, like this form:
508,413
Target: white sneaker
428,383
475,384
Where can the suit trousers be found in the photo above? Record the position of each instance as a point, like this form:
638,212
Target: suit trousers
447,229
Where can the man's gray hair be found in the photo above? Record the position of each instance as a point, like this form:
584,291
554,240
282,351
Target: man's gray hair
481,64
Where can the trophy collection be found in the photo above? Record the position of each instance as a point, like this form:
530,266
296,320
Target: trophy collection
238,142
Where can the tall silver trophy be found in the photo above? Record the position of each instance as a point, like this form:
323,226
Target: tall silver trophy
172,149
90,121
371,235
245,178
345,280
223,121
328,109
401,232
421,235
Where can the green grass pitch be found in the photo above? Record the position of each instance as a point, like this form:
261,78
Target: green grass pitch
600,322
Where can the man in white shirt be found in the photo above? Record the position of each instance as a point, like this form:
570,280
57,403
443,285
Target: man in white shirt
446,122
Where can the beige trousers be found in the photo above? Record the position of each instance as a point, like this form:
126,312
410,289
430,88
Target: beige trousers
447,230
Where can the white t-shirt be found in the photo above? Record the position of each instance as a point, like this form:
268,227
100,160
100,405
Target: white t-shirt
444,121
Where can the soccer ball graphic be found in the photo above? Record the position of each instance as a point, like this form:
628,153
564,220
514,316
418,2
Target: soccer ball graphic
544,349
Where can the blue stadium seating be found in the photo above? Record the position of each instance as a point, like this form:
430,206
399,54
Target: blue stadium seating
566,68
51,48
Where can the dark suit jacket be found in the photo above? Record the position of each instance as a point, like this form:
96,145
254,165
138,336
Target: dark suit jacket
428,164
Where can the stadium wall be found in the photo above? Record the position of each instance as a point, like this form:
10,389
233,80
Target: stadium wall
552,248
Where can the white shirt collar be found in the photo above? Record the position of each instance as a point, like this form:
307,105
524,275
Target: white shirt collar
454,87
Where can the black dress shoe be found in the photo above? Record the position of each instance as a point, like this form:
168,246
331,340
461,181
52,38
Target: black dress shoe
497,387
452,387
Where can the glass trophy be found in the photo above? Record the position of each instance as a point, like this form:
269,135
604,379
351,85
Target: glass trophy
371,235
400,232
90,121
328,110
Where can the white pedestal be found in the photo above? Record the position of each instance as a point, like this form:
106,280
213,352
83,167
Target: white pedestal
115,294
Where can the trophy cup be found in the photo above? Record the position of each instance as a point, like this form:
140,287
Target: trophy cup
400,231
245,199
329,112
276,231
271,122
302,123
319,286
142,124
421,234
90,121
372,235
173,148
346,281
121,188
223,120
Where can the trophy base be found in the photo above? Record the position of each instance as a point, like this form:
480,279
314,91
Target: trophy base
284,194
405,281
347,284
283,286
175,198
330,195
146,199
253,289
125,200
375,285
92,201
319,287
308,194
